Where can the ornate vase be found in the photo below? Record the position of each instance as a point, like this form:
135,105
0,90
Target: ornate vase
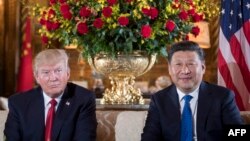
122,71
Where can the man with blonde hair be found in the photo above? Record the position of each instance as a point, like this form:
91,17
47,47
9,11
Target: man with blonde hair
56,110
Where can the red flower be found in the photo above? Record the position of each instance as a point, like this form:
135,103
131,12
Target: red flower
85,12
191,11
51,13
146,31
170,25
111,2
196,17
123,21
52,2
67,15
64,8
153,12
65,11
82,28
62,1
107,11
98,23
146,11
42,21
55,25
183,15
52,25
44,39
49,25
195,31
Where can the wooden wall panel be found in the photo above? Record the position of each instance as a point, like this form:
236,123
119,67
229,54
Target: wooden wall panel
2,58
10,45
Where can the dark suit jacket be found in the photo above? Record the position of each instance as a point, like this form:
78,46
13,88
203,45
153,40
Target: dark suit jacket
216,108
75,118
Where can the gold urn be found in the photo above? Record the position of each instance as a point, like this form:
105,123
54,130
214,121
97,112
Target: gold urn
122,70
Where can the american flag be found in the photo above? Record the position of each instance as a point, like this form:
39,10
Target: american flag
234,50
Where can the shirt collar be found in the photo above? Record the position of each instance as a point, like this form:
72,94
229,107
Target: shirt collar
47,98
194,94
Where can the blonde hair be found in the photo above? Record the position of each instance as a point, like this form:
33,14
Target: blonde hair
50,57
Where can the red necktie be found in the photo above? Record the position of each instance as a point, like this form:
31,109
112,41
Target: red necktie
49,120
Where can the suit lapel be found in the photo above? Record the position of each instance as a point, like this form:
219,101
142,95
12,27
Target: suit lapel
204,106
36,114
61,114
174,111
175,100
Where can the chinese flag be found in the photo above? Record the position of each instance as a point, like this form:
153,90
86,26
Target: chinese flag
25,74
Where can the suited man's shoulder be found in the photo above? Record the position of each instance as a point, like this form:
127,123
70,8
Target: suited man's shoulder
79,91
21,100
215,86
166,95
215,89
166,91
25,96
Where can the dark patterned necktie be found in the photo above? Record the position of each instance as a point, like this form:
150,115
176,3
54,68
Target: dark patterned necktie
187,121
49,120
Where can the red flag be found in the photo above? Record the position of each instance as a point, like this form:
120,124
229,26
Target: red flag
234,50
25,74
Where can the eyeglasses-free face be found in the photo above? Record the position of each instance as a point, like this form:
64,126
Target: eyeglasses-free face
53,78
186,70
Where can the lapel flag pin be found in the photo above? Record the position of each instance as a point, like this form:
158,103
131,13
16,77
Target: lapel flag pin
67,103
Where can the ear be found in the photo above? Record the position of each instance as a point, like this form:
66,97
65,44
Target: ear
169,70
68,73
203,67
36,78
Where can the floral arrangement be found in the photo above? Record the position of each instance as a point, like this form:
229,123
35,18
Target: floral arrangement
113,26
